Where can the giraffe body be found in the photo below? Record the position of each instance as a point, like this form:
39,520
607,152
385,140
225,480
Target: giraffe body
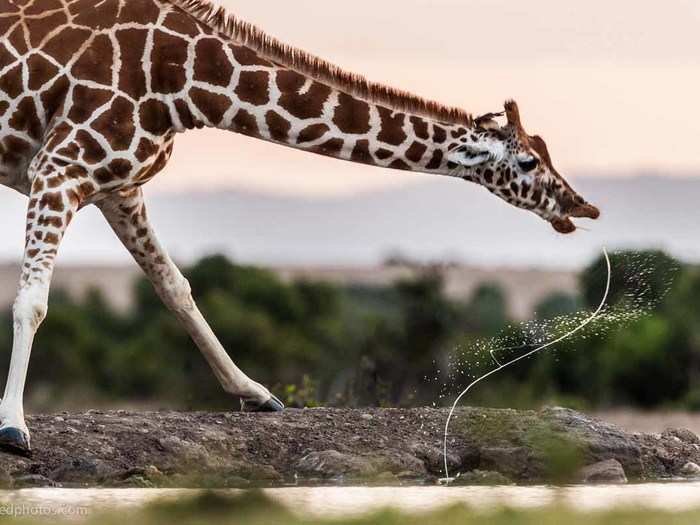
93,93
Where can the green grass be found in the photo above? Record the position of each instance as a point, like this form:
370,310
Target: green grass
559,455
255,509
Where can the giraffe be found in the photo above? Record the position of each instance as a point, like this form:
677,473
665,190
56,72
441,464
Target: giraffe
93,93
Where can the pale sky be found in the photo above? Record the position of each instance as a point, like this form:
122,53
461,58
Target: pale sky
613,86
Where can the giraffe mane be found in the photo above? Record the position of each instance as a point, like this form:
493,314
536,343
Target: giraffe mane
218,19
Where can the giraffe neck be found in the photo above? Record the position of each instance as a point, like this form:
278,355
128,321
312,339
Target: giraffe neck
234,88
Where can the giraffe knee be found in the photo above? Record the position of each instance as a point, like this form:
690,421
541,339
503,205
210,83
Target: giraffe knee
31,306
177,295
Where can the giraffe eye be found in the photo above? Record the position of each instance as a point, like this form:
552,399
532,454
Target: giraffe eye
529,164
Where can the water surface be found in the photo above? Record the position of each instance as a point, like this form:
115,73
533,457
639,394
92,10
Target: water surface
352,501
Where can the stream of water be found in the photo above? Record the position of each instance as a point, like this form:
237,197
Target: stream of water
353,501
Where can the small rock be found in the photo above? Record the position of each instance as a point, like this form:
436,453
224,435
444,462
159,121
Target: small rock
367,417
184,451
608,471
510,461
80,470
690,470
152,471
59,419
434,459
682,434
331,464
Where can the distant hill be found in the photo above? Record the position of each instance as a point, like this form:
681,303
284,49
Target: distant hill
439,219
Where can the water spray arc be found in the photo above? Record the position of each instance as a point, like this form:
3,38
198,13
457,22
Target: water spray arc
446,480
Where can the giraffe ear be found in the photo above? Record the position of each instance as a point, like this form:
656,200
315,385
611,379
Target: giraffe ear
473,155
488,121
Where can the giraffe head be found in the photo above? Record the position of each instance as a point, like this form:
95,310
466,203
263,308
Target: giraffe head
517,167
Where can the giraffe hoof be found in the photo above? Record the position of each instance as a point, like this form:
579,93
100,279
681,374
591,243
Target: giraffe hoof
271,405
14,441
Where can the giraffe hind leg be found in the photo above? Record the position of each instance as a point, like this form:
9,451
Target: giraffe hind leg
127,216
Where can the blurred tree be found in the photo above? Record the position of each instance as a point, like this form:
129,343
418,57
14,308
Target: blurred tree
374,345
683,310
637,276
488,310
558,304
643,365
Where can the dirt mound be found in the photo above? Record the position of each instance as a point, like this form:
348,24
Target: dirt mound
333,446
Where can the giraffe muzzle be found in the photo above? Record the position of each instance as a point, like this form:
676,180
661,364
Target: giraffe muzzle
585,211
582,211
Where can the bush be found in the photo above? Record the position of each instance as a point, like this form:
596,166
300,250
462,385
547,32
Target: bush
404,344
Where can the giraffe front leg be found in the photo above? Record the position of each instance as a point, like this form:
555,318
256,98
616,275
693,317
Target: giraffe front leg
127,216
48,216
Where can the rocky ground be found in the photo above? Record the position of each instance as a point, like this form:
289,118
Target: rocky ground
331,446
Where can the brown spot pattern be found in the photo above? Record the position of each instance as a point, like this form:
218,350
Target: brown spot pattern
383,154
435,162
25,118
312,132
420,127
439,134
145,150
184,25
92,151
40,71
247,57
39,28
361,153
100,18
254,87
86,101
279,126
398,164
11,82
168,58
245,123
66,43
51,200
211,63
212,105
96,62
392,127
117,124
302,105
132,79
141,12
416,151
331,147
351,115
154,117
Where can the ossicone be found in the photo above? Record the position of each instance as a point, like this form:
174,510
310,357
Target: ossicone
513,113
